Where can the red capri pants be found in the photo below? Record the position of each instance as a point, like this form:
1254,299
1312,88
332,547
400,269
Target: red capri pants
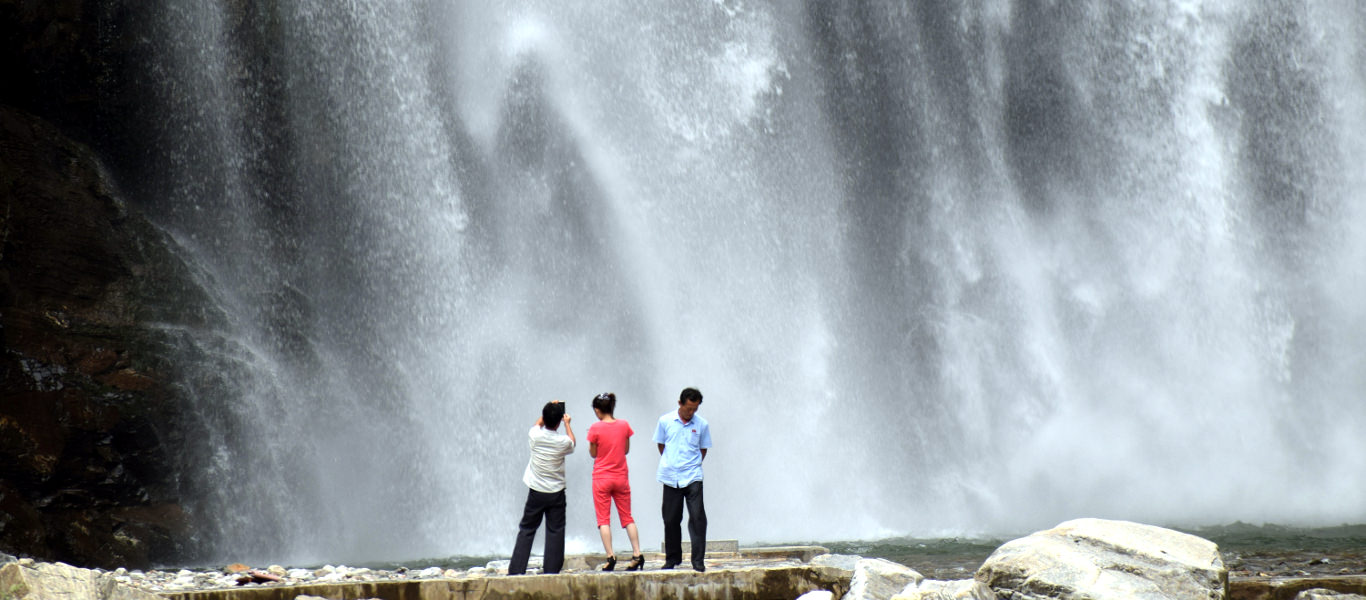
607,490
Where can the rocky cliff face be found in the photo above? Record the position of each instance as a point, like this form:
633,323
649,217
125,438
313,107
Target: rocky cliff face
65,60
92,305
91,418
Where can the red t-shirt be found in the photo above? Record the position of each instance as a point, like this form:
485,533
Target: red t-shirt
611,439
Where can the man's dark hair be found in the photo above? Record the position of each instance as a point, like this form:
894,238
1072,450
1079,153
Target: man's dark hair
606,402
690,395
552,414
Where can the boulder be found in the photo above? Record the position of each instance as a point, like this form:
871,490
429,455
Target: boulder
817,595
1326,594
838,561
40,581
930,589
1097,559
879,579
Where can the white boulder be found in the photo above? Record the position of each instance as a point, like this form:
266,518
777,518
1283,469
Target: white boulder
931,589
41,581
838,561
880,579
1326,594
1096,559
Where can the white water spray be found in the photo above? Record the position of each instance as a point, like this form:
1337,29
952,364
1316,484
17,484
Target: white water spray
938,270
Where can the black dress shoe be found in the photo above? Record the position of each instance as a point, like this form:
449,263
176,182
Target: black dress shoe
669,565
699,567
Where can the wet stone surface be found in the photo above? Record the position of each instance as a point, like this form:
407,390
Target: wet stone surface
1250,564
1243,565
244,576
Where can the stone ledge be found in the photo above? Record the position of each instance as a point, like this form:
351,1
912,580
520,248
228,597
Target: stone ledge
802,554
749,583
730,547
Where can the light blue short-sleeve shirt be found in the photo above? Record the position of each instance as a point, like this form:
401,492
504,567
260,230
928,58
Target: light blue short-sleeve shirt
681,462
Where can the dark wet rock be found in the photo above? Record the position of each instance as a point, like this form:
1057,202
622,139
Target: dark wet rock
258,576
89,293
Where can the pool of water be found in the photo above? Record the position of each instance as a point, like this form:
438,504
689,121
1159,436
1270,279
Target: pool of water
1248,551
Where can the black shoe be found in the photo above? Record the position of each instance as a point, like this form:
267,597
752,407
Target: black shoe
637,563
611,563
699,567
669,565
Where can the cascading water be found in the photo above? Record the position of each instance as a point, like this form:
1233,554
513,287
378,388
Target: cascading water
940,268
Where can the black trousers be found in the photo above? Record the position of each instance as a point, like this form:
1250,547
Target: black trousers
674,498
538,505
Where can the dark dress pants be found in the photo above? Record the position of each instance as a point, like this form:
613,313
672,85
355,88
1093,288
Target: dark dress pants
674,499
538,505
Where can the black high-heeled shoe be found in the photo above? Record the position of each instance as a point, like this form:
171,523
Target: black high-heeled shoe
611,563
637,563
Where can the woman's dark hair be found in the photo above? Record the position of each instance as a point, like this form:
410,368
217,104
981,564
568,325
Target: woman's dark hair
690,395
605,402
552,414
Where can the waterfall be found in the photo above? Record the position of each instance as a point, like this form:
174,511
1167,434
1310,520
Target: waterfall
940,268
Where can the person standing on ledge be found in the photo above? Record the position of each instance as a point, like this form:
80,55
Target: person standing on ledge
609,440
683,439
545,476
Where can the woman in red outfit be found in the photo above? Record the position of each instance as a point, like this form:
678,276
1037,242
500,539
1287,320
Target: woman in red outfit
608,442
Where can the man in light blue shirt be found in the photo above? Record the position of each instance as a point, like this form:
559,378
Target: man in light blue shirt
683,439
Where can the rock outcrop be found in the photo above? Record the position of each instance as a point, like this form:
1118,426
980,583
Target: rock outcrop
45,581
1097,559
90,296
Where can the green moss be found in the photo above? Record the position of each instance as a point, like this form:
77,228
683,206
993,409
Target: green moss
15,591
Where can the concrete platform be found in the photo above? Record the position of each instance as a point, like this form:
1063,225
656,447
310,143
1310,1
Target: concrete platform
734,579
735,558
713,546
